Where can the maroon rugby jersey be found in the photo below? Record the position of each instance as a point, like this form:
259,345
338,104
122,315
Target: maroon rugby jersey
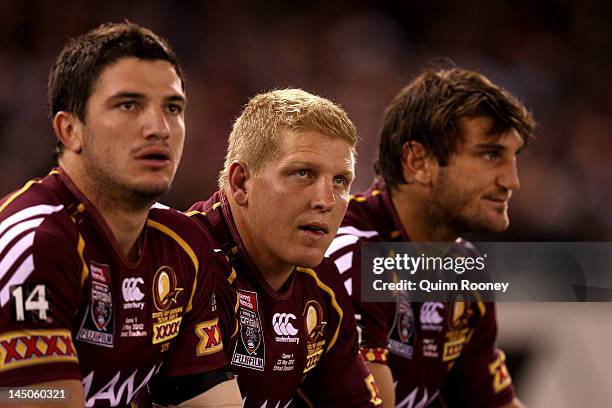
431,347
289,346
74,307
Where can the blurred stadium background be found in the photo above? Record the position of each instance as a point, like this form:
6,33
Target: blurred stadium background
556,56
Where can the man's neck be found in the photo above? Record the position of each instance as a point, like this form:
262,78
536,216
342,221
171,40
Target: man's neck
418,218
275,272
125,223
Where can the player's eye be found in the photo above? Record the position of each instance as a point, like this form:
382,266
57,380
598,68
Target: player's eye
340,180
303,173
127,105
175,109
491,156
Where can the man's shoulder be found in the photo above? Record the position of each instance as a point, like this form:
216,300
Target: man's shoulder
350,235
362,210
36,211
37,196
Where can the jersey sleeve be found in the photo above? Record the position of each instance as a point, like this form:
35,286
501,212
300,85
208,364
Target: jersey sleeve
479,377
341,379
372,317
227,304
199,346
41,277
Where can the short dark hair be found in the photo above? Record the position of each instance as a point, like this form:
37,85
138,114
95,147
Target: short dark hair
83,58
428,110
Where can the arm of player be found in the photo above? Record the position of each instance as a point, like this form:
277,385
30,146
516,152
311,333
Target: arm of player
341,378
39,301
372,320
384,379
72,390
196,373
479,377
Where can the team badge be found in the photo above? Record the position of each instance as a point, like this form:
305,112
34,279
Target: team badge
167,319
165,291
401,338
98,326
250,351
315,333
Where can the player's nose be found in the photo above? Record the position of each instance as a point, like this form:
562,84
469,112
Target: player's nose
324,197
509,178
156,123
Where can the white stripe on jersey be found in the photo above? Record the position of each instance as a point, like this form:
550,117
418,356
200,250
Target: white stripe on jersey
18,249
340,242
345,262
26,220
160,206
42,209
16,230
20,275
356,232
348,284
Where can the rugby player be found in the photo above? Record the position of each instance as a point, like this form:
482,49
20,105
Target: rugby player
446,165
282,194
100,292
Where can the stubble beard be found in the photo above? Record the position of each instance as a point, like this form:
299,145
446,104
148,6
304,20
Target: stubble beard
114,192
449,209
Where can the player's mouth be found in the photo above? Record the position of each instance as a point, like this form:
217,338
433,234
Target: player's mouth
498,201
315,229
155,156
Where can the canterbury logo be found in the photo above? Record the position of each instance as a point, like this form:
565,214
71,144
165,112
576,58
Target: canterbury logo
166,331
16,240
429,313
282,324
131,291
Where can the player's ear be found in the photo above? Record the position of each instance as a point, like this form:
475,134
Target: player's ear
69,130
238,175
418,164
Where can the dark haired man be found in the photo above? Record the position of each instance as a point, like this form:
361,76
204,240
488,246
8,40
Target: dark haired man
446,165
100,289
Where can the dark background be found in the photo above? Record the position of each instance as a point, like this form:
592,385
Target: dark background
554,55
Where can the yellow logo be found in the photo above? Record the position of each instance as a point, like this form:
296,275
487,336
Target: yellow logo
210,337
166,331
165,291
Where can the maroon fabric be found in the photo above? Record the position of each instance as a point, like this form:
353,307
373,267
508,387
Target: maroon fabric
274,350
124,319
431,347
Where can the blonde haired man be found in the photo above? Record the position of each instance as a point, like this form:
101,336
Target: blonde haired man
283,193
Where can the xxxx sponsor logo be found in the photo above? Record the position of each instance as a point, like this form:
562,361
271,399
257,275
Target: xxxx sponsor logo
21,348
166,331
210,337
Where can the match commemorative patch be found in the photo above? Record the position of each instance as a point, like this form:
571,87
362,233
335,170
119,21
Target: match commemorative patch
250,349
98,325
32,347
